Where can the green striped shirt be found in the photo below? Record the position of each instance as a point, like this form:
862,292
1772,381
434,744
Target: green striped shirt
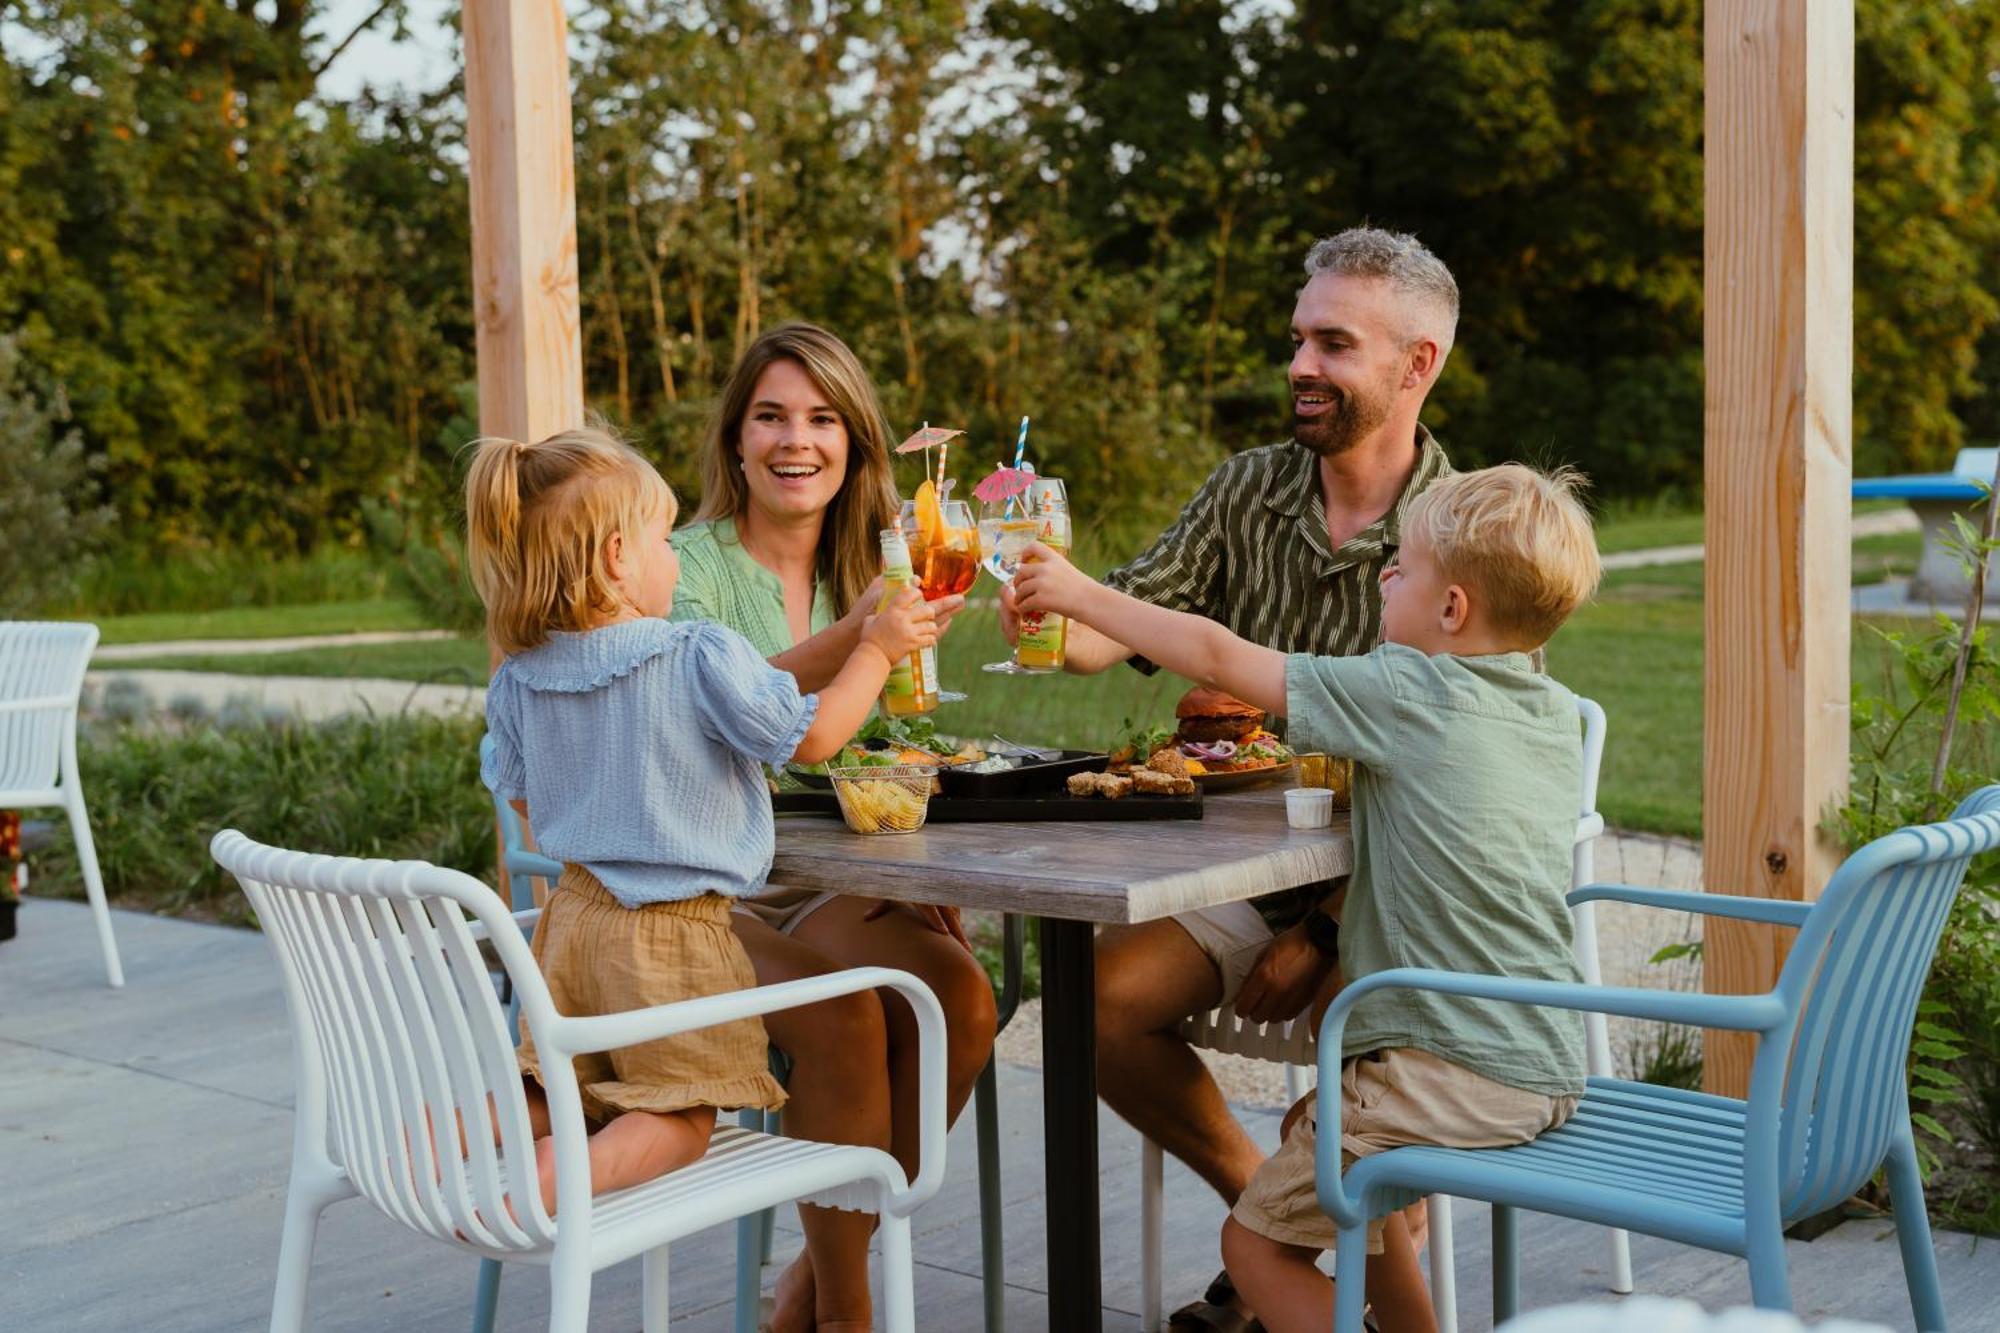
1250,551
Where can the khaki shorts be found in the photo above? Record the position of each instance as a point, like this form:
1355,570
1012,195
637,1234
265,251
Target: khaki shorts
1389,1099
600,957
1233,936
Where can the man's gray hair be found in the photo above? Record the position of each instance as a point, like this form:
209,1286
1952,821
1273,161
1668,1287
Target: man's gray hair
1402,261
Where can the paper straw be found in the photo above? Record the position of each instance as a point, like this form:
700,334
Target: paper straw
1021,443
927,448
944,452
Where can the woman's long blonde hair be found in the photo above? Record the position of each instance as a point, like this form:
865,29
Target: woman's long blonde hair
850,552
539,519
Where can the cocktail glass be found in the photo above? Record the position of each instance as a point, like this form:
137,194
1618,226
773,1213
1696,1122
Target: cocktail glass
946,559
1007,528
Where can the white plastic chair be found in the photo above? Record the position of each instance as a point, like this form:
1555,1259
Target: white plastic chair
1292,1044
41,674
396,1027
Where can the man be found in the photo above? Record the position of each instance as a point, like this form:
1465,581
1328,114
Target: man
1285,545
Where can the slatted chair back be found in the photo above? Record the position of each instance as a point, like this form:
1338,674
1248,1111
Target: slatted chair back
41,674
1854,977
399,1037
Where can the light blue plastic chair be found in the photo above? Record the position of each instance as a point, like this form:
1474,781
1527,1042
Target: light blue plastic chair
753,1234
1827,1108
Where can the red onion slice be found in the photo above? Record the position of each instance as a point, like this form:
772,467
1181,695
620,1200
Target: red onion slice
1213,750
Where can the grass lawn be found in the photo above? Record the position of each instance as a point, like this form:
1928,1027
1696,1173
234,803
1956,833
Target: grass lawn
263,622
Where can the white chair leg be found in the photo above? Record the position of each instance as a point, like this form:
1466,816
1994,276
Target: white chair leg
899,1278
1293,1084
1444,1276
569,1292
1621,1262
93,884
653,1290
1151,1170
304,1202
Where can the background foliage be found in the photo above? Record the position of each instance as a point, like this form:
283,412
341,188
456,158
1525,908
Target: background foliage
256,297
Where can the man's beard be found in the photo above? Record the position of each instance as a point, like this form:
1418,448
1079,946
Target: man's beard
1349,420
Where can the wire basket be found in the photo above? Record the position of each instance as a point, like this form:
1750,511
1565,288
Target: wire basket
884,799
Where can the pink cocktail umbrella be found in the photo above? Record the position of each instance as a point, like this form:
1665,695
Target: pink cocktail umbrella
1003,484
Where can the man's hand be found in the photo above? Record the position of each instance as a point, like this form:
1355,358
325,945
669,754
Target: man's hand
1284,980
1046,582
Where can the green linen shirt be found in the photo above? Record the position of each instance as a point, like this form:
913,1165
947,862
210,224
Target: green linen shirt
1250,551
1468,776
720,582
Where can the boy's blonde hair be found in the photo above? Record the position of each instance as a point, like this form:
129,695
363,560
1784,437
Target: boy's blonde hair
1519,536
539,519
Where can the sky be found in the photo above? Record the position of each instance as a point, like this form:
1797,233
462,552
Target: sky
418,63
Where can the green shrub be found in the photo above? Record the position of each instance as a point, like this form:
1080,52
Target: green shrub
136,579
48,523
1898,778
427,559
405,786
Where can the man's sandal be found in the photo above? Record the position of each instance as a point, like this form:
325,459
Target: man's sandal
1213,1313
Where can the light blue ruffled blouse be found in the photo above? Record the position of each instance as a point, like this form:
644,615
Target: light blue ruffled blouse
637,748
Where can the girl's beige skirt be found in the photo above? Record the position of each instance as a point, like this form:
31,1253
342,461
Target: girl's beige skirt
601,957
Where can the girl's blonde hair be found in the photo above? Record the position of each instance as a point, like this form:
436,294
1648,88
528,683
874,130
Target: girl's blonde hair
1521,537
850,553
539,519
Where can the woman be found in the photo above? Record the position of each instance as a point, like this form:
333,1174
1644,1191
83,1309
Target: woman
796,488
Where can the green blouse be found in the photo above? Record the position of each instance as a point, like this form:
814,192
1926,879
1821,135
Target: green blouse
720,582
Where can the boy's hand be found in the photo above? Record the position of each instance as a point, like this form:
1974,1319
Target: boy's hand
1284,980
1010,615
1047,582
906,624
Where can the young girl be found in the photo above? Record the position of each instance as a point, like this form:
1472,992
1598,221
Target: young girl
636,744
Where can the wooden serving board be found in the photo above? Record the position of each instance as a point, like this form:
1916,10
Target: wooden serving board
1054,806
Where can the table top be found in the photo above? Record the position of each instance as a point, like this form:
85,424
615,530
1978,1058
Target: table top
1122,871
1918,486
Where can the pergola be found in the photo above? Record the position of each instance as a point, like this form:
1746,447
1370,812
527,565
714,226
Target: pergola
1778,292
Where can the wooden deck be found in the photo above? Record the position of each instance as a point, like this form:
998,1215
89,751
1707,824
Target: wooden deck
144,1138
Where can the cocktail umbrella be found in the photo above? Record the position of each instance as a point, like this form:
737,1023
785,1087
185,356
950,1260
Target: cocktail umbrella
1003,483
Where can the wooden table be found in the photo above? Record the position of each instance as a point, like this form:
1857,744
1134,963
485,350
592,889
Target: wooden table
1072,876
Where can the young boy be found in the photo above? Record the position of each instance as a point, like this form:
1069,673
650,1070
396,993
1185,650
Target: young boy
1468,773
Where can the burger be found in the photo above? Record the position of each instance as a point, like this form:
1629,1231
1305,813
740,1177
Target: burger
1205,716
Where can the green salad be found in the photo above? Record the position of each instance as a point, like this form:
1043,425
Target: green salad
877,744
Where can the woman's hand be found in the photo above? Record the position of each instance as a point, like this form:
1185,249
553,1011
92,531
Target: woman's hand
864,607
1046,582
946,608
906,624
943,920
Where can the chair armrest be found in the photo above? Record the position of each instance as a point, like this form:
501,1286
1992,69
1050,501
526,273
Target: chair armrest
521,862
1587,827
1742,1013
1771,911
565,1037
525,919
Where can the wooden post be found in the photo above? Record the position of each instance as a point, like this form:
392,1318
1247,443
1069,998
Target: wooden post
1778,346
523,183
523,175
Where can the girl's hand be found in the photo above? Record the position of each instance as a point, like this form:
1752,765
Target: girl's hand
943,920
1010,615
906,624
1047,582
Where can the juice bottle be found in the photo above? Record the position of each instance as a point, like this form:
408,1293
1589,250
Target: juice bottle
1042,636
912,683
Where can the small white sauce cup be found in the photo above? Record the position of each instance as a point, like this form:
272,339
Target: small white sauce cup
1309,807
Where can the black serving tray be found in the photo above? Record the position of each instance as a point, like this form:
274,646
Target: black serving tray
1032,778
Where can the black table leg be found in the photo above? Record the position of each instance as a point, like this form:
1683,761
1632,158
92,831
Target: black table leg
1069,1116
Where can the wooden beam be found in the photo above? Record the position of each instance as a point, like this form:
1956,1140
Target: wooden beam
1778,330
523,174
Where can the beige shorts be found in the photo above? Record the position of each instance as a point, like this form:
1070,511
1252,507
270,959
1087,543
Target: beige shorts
599,956
1233,936
1389,1099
